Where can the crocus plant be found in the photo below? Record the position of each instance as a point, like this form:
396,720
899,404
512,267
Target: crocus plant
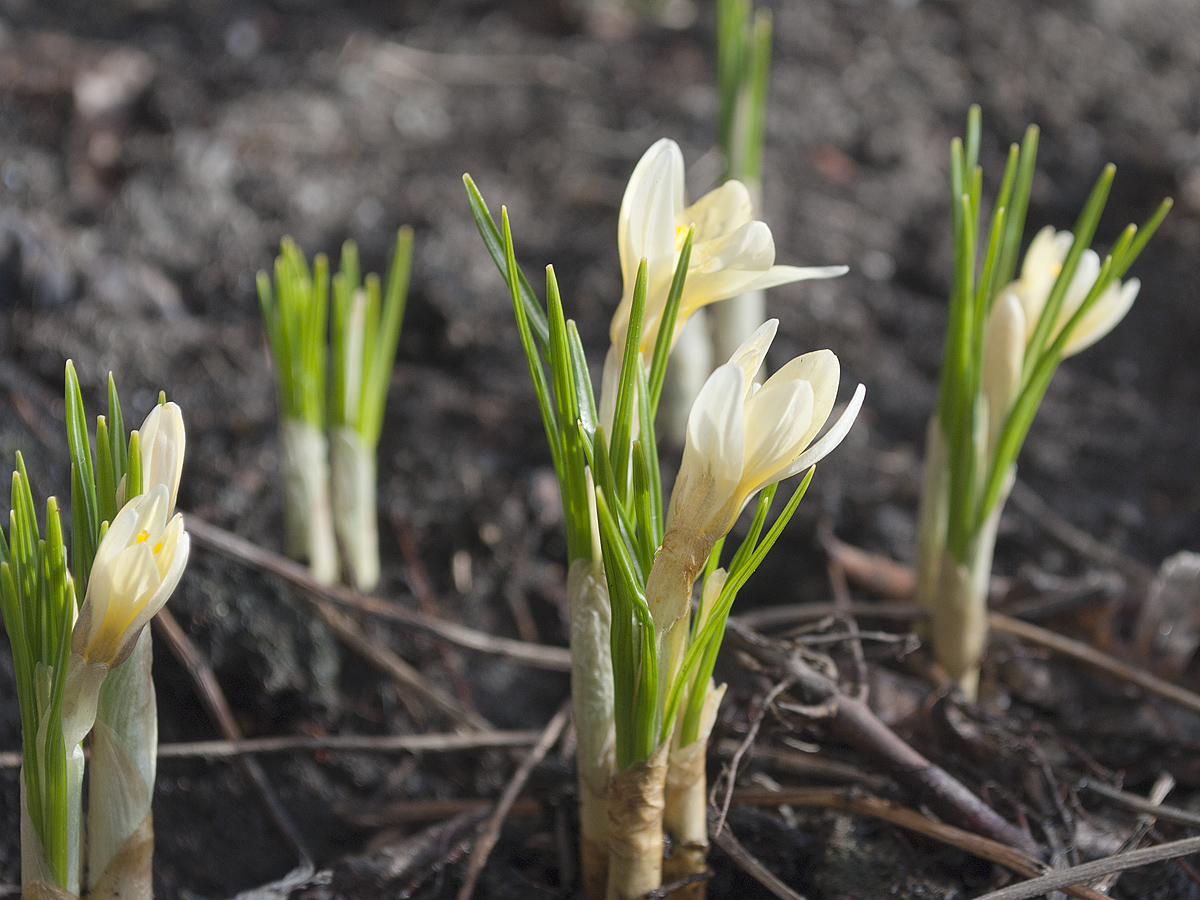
365,334
87,670
1004,340
642,660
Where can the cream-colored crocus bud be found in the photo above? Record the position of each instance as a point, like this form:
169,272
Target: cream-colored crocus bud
162,440
741,437
731,251
1003,358
137,566
1039,270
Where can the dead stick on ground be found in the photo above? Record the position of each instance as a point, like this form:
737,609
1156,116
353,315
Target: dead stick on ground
1071,536
540,656
213,698
418,581
1119,862
392,665
487,840
749,863
342,743
1093,657
1142,805
853,722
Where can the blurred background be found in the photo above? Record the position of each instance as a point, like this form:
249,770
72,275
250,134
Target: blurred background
154,152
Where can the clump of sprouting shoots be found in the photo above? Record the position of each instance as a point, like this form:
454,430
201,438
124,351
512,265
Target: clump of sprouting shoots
1007,333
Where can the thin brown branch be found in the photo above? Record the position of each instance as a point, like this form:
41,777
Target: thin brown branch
344,743
1026,499
749,863
350,743
1142,805
518,652
418,580
789,614
393,666
407,812
213,698
1093,657
487,840
1119,862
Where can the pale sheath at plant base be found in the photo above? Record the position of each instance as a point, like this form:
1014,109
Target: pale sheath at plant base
1004,340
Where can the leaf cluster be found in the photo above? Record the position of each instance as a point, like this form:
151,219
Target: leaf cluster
613,498
977,481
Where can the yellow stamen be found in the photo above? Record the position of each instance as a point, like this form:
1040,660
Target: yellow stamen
158,546
144,536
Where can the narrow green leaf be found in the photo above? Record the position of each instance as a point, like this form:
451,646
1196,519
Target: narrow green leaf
496,249
670,315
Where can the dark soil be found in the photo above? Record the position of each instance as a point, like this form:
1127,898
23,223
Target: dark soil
131,230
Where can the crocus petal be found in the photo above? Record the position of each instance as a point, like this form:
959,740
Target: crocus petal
1045,256
162,440
831,438
822,370
1003,358
1081,283
778,275
136,567
1104,315
646,224
718,212
713,451
753,351
777,420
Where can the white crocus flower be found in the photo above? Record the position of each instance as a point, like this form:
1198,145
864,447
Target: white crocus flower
162,441
137,566
731,252
1039,270
743,437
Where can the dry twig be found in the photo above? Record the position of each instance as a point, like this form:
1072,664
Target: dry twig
213,698
487,840
392,665
518,652
1093,657
749,863
418,581
1119,862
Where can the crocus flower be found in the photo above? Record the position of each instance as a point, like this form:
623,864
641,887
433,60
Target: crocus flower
137,566
742,437
1039,270
162,442
731,252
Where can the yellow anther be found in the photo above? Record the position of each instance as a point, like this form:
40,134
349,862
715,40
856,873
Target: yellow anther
144,536
158,546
